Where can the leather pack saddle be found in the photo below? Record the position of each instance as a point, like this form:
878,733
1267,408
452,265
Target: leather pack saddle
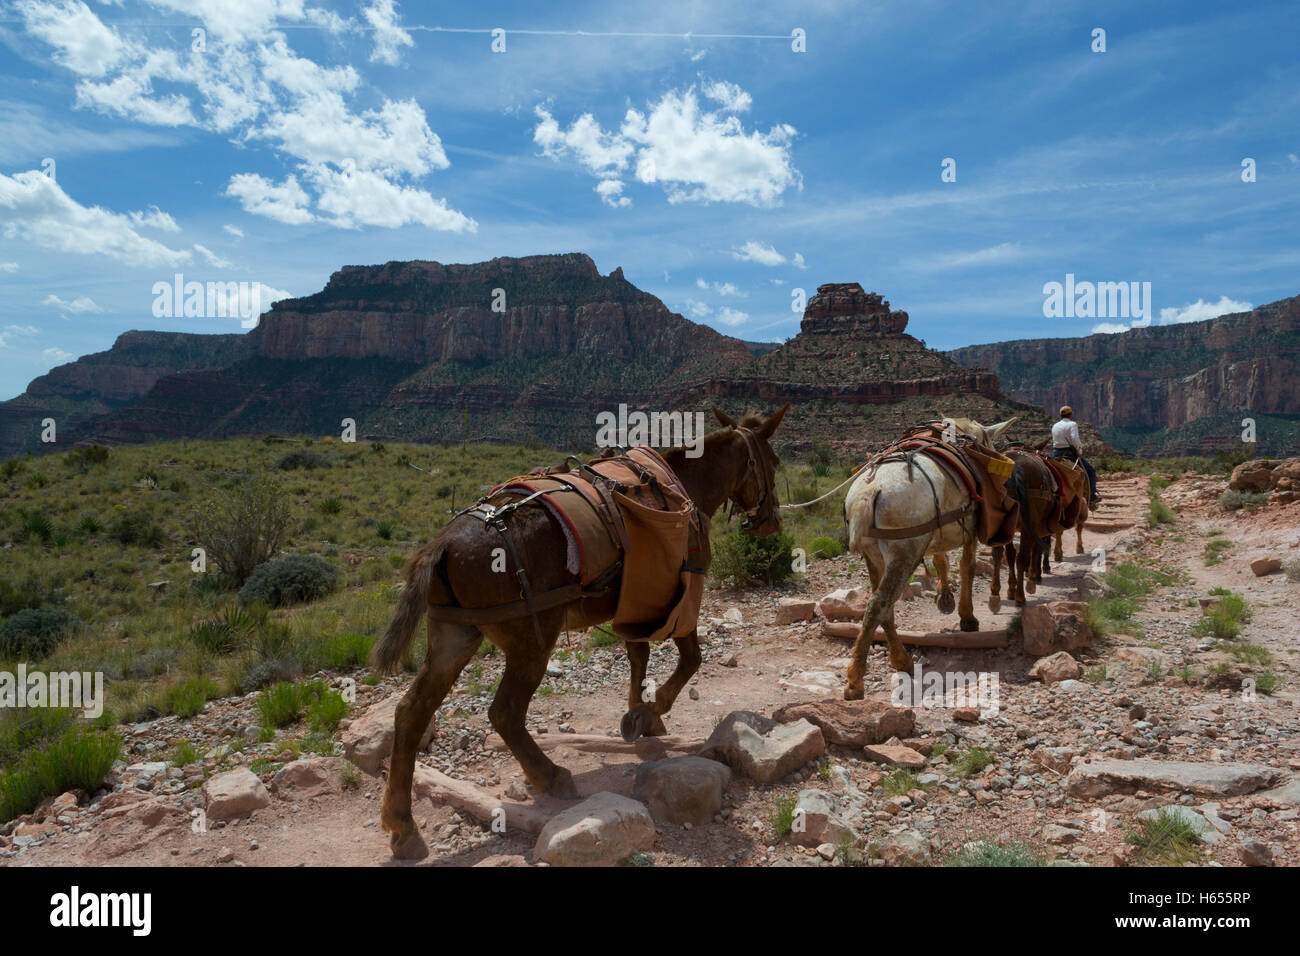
628,524
982,471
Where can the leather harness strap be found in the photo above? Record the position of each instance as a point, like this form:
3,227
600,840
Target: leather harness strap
896,452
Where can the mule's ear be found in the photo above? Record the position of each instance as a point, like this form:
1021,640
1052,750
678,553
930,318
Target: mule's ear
722,416
1042,444
769,426
993,431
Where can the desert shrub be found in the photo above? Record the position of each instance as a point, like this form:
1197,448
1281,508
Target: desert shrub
282,704
825,547
35,632
80,759
336,652
289,580
984,853
36,526
331,506
1235,500
89,524
326,711
17,595
268,671
243,528
136,527
302,459
187,699
1225,619
741,559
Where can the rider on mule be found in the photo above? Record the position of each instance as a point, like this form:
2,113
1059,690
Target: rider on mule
1066,444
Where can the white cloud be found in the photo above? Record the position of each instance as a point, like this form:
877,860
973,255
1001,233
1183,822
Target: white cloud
729,96
155,218
234,231
249,85
356,197
693,154
611,193
730,316
57,355
389,35
36,209
212,258
721,288
81,41
990,255
82,303
698,309
12,330
760,252
285,203
1200,310
8,267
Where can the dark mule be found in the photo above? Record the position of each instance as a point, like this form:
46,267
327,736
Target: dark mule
1032,483
450,571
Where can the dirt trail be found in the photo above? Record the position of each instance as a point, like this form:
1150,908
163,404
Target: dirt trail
755,664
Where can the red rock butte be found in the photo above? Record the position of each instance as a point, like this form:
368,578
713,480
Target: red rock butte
844,307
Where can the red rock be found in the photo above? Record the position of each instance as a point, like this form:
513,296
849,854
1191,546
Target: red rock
851,723
967,715
792,610
1058,626
899,755
1059,666
846,604
1263,566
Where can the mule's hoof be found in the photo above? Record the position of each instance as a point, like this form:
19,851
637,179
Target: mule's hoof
903,664
562,786
947,603
635,723
854,693
970,624
1030,586
409,847
995,603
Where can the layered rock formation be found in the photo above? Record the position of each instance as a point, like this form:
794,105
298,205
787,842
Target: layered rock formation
511,350
1174,389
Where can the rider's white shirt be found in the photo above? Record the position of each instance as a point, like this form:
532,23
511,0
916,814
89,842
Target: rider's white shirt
1065,434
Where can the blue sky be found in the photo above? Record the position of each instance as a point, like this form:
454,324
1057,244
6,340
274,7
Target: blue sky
686,142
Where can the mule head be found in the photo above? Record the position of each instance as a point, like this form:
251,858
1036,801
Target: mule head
754,489
983,434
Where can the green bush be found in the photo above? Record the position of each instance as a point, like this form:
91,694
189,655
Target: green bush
741,559
187,699
242,528
325,712
136,527
1235,500
78,760
36,527
302,459
30,592
283,703
35,632
289,580
825,547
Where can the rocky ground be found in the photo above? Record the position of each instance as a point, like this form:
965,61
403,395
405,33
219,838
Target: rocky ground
1076,750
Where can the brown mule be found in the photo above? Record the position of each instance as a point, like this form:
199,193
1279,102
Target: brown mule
1032,483
450,572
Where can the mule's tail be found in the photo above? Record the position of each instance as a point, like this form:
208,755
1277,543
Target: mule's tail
1020,488
421,575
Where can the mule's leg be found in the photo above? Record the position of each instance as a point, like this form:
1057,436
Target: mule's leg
1016,572
688,662
1045,549
995,585
637,719
965,604
450,648
1057,550
525,668
943,598
899,560
1078,537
